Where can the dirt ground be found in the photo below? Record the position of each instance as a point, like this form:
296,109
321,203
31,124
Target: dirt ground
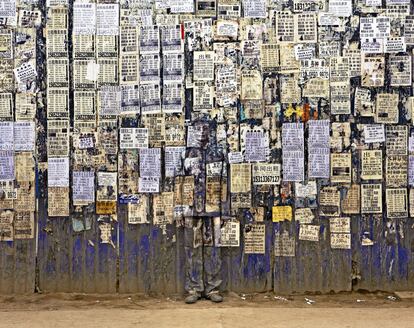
266,310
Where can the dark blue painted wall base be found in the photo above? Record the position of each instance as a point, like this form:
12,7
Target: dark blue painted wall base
152,260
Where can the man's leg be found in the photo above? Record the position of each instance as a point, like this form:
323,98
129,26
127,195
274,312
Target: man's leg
212,269
194,262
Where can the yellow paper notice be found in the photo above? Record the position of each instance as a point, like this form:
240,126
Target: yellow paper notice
281,213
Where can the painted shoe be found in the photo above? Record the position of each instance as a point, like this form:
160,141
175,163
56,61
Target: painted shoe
215,297
192,298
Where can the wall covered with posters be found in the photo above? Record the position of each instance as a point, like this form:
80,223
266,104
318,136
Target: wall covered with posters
287,124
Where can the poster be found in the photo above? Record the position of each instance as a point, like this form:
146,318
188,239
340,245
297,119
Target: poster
254,239
229,233
285,245
83,189
266,174
309,232
282,213
240,177
293,152
371,198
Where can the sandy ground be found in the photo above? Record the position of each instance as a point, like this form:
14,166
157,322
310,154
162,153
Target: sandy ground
266,310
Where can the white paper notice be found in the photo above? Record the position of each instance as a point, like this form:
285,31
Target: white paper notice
236,157
25,72
107,19
7,165
150,162
58,172
84,18
83,187
173,160
8,12
374,133
149,185
133,138
24,136
254,8
182,6
340,8
319,148
309,232
6,136
293,152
